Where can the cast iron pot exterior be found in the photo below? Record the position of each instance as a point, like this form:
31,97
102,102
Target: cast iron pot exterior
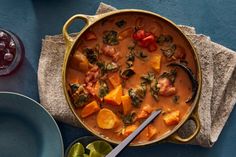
71,43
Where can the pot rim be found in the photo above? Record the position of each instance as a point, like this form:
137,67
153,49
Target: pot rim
96,18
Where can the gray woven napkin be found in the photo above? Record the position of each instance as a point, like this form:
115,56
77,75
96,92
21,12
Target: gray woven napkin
218,90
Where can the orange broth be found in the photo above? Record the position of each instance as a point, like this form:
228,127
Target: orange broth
152,26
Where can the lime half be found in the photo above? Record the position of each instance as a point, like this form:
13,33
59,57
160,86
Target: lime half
99,148
77,150
85,155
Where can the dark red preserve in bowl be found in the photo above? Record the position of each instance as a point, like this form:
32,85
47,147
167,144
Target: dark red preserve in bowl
11,52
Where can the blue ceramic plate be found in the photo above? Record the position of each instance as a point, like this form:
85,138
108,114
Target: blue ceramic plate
27,129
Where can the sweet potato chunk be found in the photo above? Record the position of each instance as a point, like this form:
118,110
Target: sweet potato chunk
172,118
106,119
152,131
156,63
126,103
96,89
144,112
79,62
149,132
90,109
129,129
115,79
114,96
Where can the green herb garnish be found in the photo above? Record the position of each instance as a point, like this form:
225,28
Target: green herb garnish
170,75
103,90
169,52
137,95
131,56
92,55
112,67
80,99
130,59
164,39
121,23
79,95
102,67
127,73
148,78
110,38
152,81
74,87
107,67
154,90
128,119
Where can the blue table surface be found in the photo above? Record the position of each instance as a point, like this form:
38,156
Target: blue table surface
31,20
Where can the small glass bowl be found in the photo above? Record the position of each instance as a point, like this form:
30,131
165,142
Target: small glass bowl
11,52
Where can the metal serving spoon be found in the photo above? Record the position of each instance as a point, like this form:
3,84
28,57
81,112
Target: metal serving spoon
130,138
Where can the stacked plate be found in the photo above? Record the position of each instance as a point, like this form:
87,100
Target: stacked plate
27,129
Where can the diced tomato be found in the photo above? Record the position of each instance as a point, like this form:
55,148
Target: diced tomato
145,40
149,39
152,47
143,44
147,34
135,36
140,34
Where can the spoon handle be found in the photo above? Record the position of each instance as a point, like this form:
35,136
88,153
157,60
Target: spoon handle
130,138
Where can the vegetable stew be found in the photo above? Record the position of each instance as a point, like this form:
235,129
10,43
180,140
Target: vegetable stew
125,67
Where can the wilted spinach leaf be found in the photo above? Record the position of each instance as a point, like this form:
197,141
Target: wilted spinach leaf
128,119
92,55
170,75
127,73
107,67
103,90
168,52
137,95
112,67
154,90
121,23
110,38
79,95
148,78
164,39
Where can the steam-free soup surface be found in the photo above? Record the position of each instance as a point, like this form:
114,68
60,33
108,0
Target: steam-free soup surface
118,74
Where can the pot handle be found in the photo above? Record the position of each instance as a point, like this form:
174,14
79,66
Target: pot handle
176,138
86,18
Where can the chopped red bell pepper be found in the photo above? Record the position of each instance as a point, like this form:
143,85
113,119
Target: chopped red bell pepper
149,39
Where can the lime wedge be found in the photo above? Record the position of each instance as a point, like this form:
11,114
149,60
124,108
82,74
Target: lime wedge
99,148
77,150
85,155
95,154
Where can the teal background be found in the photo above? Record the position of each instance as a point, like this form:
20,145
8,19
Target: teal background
31,20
